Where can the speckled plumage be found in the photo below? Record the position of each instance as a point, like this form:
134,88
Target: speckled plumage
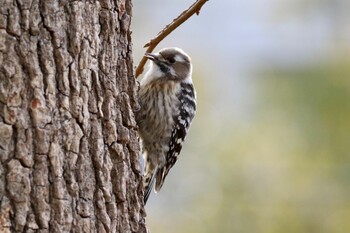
168,104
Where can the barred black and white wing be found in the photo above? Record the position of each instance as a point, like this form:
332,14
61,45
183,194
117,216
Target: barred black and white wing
182,122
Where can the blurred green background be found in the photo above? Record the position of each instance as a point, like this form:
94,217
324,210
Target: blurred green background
269,149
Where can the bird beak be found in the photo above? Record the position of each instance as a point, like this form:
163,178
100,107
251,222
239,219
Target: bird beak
152,56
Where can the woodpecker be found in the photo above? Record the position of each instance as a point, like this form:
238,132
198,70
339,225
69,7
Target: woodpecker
168,104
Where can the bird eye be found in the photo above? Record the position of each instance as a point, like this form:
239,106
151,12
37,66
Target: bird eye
171,59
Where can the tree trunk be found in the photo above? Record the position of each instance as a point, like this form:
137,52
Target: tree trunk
69,149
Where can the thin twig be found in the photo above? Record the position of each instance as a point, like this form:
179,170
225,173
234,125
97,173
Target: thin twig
194,8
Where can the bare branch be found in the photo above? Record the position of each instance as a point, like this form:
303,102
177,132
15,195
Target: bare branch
194,8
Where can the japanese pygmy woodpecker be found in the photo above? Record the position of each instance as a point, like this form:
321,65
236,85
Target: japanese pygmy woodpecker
168,104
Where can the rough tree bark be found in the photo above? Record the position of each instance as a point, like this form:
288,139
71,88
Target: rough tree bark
69,150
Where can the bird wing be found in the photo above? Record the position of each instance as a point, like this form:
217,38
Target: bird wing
182,121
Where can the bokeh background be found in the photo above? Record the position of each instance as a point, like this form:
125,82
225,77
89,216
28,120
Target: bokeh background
269,149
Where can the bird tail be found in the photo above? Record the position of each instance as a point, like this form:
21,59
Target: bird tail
149,179
160,177
148,184
154,177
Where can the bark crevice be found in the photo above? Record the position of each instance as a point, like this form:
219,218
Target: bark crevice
69,150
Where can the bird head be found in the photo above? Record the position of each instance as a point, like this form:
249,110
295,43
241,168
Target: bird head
172,63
